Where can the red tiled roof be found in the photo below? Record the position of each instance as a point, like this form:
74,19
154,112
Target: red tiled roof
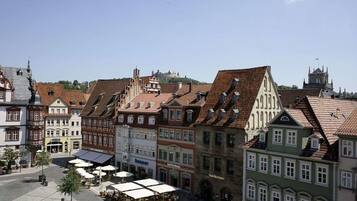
169,87
326,115
186,97
144,100
349,127
248,87
299,116
289,97
104,97
73,98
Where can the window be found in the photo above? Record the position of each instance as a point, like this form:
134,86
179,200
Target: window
275,195
263,194
189,115
305,171
218,139
277,136
164,114
206,163
121,118
289,197
290,169
250,191
276,166
217,164
152,120
130,119
187,158
206,137
314,143
291,138
187,135
347,148
321,174
12,135
141,119
2,95
251,161
13,115
230,140
262,137
230,167
178,115
346,179
263,163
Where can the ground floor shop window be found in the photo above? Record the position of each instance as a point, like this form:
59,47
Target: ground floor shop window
163,175
186,182
76,145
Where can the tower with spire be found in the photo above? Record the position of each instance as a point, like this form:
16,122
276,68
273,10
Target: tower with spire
318,78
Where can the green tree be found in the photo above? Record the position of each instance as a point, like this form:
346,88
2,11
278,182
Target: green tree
10,156
42,158
71,183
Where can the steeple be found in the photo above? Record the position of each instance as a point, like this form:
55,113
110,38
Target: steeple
28,66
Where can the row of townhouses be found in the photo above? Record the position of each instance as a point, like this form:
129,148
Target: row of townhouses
238,138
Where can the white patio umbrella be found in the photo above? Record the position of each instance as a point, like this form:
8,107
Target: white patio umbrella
83,165
99,173
123,174
75,161
88,176
80,170
109,168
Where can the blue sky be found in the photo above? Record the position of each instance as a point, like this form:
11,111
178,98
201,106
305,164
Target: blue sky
87,39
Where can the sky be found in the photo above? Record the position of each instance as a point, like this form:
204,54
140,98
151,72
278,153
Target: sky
103,39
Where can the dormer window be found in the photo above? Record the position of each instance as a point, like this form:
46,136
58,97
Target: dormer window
151,104
315,143
121,118
198,96
235,114
235,97
222,112
141,119
262,137
189,115
2,96
223,97
19,72
210,113
51,93
235,82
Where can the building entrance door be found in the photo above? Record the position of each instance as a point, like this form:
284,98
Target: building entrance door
206,190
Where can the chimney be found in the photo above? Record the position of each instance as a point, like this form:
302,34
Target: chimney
179,85
189,87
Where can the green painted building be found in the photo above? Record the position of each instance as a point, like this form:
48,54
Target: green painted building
292,161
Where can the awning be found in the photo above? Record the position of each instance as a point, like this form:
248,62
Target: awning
138,194
127,186
164,188
80,153
93,156
148,182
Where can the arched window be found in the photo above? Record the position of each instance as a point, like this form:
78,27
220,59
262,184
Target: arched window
253,121
251,191
262,119
266,101
265,84
258,120
257,104
261,101
270,117
266,119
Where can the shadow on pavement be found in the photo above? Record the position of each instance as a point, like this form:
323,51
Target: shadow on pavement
30,180
62,162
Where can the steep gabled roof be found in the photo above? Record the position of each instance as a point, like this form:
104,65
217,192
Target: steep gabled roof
249,83
349,127
326,115
104,96
19,78
299,116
